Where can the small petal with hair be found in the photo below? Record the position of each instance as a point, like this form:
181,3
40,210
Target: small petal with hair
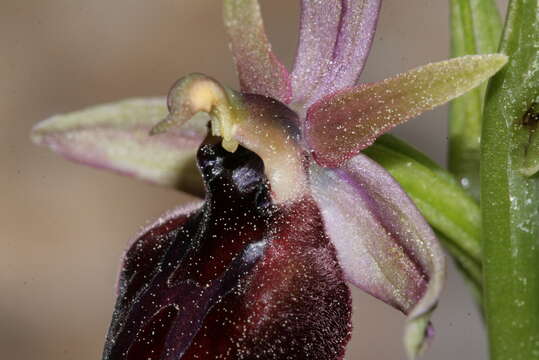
259,70
384,245
115,136
335,39
340,125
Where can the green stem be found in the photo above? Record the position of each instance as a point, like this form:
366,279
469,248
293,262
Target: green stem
510,199
475,29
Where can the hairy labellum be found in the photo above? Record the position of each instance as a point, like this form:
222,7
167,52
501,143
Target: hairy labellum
235,279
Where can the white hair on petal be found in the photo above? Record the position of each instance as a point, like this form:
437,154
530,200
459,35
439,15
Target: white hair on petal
163,218
185,209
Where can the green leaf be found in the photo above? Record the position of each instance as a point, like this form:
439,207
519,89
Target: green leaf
487,24
470,268
475,29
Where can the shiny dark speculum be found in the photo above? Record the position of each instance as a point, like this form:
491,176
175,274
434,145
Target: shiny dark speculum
235,279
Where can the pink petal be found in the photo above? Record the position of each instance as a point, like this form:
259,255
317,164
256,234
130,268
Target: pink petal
335,39
340,125
116,137
383,244
259,70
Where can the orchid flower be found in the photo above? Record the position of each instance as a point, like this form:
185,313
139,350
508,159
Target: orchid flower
293,212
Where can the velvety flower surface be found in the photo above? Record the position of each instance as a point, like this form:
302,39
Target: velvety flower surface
292,210
234,278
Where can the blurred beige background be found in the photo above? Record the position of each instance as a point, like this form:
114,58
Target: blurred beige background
65,226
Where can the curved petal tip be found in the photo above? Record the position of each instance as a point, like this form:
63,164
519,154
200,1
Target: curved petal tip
384,245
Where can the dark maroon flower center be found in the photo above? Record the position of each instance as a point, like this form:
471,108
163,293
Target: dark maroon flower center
239,278
192,264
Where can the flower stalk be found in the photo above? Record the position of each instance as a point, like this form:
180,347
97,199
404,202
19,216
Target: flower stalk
510,191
